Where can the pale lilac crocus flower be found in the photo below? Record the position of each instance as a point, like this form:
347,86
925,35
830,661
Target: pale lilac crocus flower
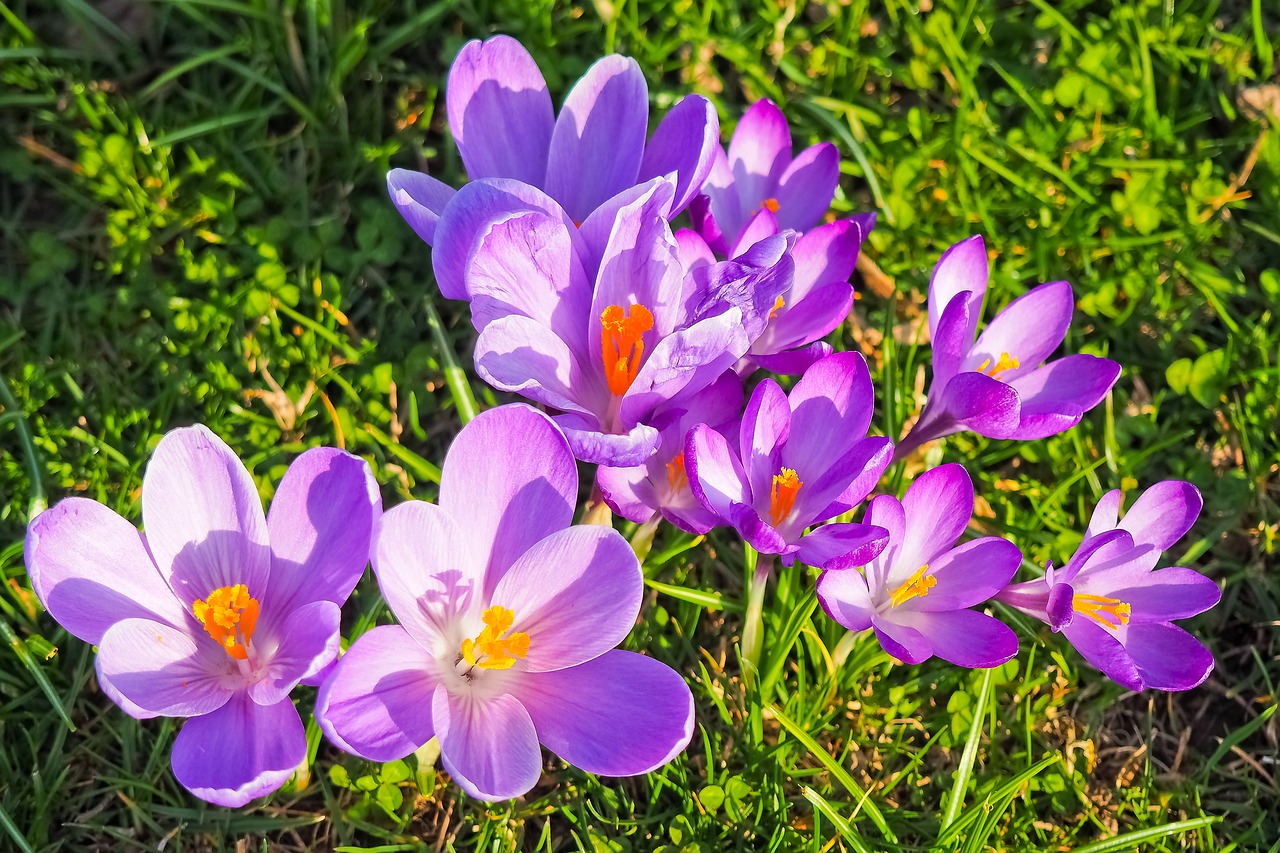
801,460
759,176
1115,607
919,593
219,612
997,386
500,115
508,622
603,322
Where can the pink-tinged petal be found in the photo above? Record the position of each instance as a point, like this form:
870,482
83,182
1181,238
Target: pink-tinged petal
203,516
799,323
598,141
845,482
827,255
239,752
1100,647
305,643
766,425
807,187
693,250
760,226
321,527
467,219
428,567
523,356
845,598
842,545
938,506
500,111
165,671
90,568
762,535
901,640
1163,514
715,473
962,268
886,512
1029,329
377,701
590,444
987,406
685,145
1169,594
951,342
652,196
969,574
1167,657
526,265
576,593
621,714
628,492
1106,515
420,199
759,154
792,362
964,637
488,745
831,409
1056,395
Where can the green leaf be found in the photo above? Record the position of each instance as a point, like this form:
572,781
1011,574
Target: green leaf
712,798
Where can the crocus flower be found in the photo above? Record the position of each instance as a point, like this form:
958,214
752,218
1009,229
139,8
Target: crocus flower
803,459
1115,607
508,622
220,611
602,322
918,593
501,117
997,386
759,175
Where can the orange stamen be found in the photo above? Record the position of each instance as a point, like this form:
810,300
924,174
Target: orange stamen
1006,362
918,584
782,497
676,475
621,344
771,204
491,649
230,616
778,305
1107,612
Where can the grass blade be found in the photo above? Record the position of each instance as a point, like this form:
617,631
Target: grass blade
965,770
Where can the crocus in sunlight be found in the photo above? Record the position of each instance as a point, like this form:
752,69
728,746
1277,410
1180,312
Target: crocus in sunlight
997,386
918,593
1113,604
601,322
759,176
500,115
220,611
508,622
800,460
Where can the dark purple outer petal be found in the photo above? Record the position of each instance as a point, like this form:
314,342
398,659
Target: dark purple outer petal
969,574
1167,657
685,143
792,362
1169,594
903,641
1101,648
964,637
715,472
828,254
841,545
420,199
987,406
1055,396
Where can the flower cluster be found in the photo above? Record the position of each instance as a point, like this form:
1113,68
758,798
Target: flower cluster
639,337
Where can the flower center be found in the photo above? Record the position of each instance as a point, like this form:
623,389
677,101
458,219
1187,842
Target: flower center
676,475
493,649
229,615
778,305
918,584
782,497
1107,612
771,204
1006,362
621,344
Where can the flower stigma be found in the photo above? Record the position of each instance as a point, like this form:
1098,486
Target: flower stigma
229,614
676,476
1006,362
1107,612
770,204
621,344
918,585
778,305
494,648
782,497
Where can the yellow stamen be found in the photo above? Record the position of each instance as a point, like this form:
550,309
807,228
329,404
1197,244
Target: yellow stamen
1107,612
771,204
1006,362
229,615
621,344
782,497
778,305
491,649
918,584
676,475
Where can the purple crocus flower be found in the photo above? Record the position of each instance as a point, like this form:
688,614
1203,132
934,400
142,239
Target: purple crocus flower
996,386
501,117
804,459
758,176
219,611
918,593
508,622
1112,604
602,322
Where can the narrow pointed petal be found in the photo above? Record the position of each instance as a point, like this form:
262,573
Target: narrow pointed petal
377,701
239,752
1167,657
621,714
420,199
951,342
500,111
1169,594
685,144
760,226
598,141
791,362
489,746
845,598
91,569
163,670
1106,515
766,426
1029,329
807,187
1056,395
1163,514
965,637
962,268
1100,648
970,574
827,254
885,511
842,545
715,473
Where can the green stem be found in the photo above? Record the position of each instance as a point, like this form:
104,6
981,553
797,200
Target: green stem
454,375
843,649
35,464
642,539
753,629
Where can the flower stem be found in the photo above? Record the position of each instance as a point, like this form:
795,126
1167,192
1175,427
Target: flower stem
642,539
753,629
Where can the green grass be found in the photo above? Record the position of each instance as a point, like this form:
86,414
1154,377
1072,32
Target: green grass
195,229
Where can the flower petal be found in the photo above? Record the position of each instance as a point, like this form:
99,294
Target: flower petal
685,144
239,752
1056,395
1167,657
1101,648
91,569
844,483
635,202
628,491
715,474
500,111
831,409
846,599
901,640
802,322
305,643
1169,594
969,574
962,268
621,714
987,406
828,254
592,445
842,545
965,637
938,506
162,669
377,701
766,424
523,356
488,745
759,154
808,185
1163,514
576,593
791,362
1029,329
1106,515
420,199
